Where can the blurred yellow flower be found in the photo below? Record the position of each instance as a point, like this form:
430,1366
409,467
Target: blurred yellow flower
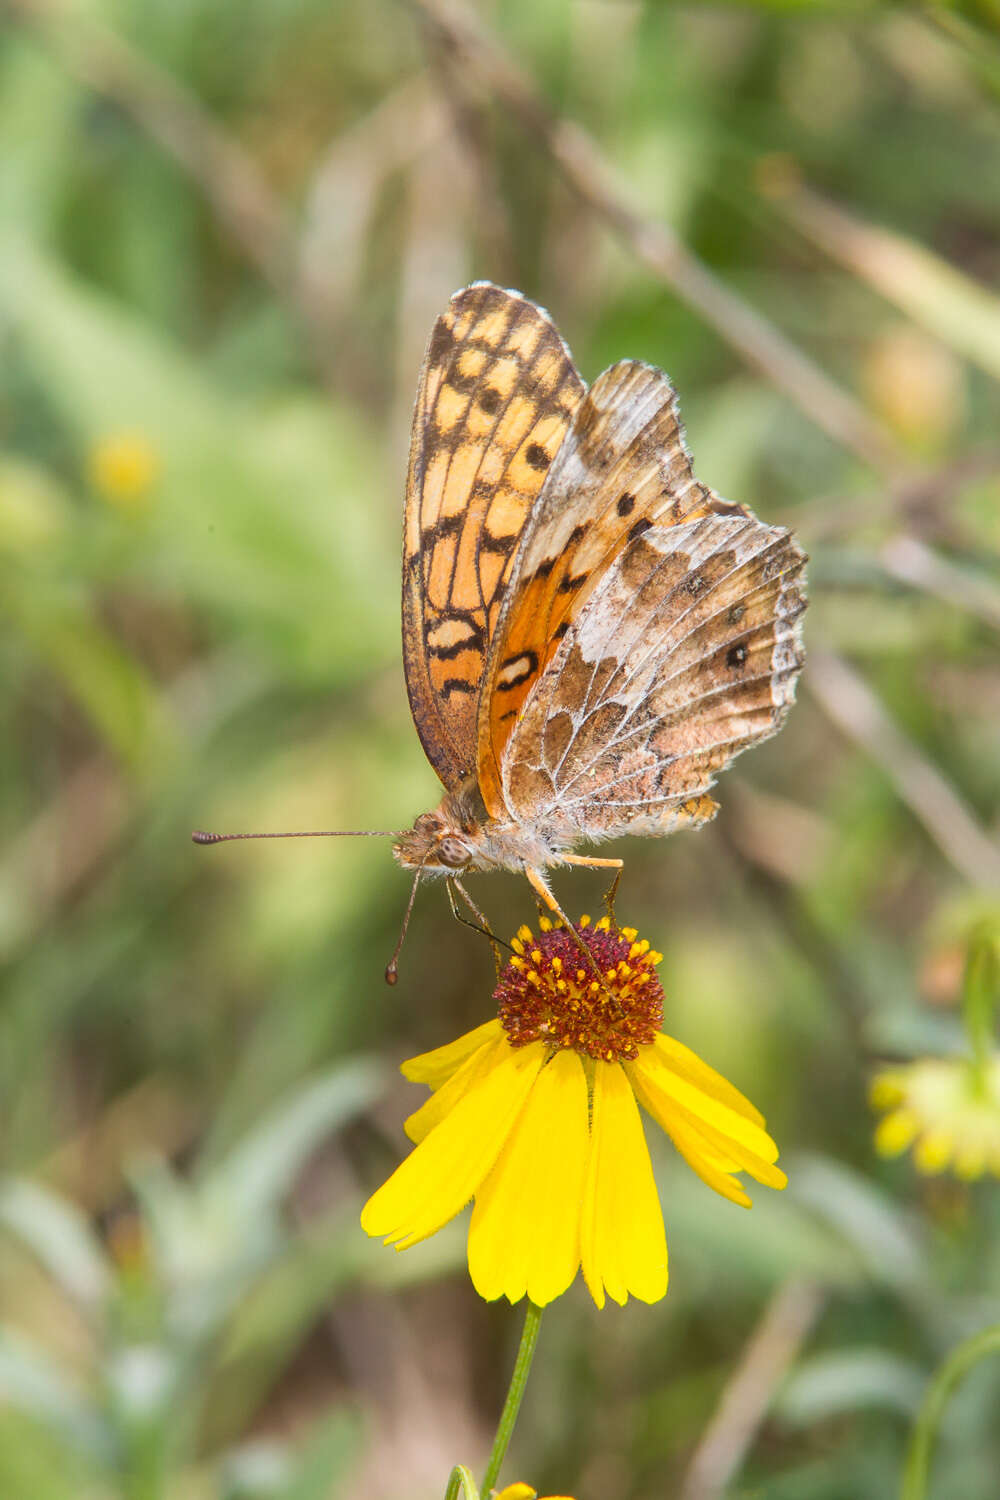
947,1109
123,467
916,385
521,1491
534,1116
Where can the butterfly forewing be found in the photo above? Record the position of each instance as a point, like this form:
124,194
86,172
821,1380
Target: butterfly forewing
497,393
622,467
685,655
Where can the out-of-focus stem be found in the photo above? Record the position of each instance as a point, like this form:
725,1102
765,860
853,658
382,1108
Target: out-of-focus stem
957,1365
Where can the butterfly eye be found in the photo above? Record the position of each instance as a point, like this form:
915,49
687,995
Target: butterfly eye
426,823
452,851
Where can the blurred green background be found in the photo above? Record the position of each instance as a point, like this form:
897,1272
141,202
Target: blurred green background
226,227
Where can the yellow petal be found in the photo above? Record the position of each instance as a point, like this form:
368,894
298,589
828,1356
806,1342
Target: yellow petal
711,1171
699,1141
441,1174
524,1238
670,1092
519,1491
687,1138
718,1147
435,1068
690,1066
476,1066
934,1150
887,1090
623,1248
895,1132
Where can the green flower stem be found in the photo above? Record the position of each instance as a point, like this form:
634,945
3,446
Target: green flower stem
461,1481
519,1379
957,1365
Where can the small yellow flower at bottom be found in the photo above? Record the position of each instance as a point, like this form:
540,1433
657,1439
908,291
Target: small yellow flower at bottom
947,1109
521,1491
535,1117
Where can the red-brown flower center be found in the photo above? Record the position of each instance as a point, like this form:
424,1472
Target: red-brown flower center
549,991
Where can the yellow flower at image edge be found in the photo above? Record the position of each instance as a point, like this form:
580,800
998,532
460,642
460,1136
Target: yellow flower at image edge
947,1109
534,1116
522,1491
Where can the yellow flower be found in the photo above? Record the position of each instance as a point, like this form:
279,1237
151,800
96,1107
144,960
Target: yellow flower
534,1116
521,1491
948,1109
123,467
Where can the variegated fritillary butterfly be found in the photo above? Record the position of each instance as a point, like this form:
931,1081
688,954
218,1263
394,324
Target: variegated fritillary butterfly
589,633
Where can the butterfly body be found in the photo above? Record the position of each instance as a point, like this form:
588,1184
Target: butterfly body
458,836
590,633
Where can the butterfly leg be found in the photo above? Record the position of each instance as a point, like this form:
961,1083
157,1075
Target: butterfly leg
542,889
602,864
480,924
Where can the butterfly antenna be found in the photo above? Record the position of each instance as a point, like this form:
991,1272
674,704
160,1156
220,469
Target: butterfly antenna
392,967
199,837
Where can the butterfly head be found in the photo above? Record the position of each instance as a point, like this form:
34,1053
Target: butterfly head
435,842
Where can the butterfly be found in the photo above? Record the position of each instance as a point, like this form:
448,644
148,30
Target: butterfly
590,635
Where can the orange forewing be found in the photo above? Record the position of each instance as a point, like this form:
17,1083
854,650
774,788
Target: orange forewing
497,393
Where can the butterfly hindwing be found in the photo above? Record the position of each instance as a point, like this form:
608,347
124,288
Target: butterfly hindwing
685,655
622,467
497,393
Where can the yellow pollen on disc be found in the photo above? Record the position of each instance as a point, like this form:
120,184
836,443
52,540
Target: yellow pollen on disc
607,1014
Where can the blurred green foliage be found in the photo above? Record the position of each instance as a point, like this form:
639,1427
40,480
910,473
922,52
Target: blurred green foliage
187,1306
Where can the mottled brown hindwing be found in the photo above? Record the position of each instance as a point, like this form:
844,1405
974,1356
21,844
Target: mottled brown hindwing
686,654
496,396
622,468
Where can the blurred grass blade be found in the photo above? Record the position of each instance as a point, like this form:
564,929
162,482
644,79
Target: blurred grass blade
327,1458
30,1382
260,1169
34,508
93,668
59,1235
220,529
865,1216
844,1381
949,304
